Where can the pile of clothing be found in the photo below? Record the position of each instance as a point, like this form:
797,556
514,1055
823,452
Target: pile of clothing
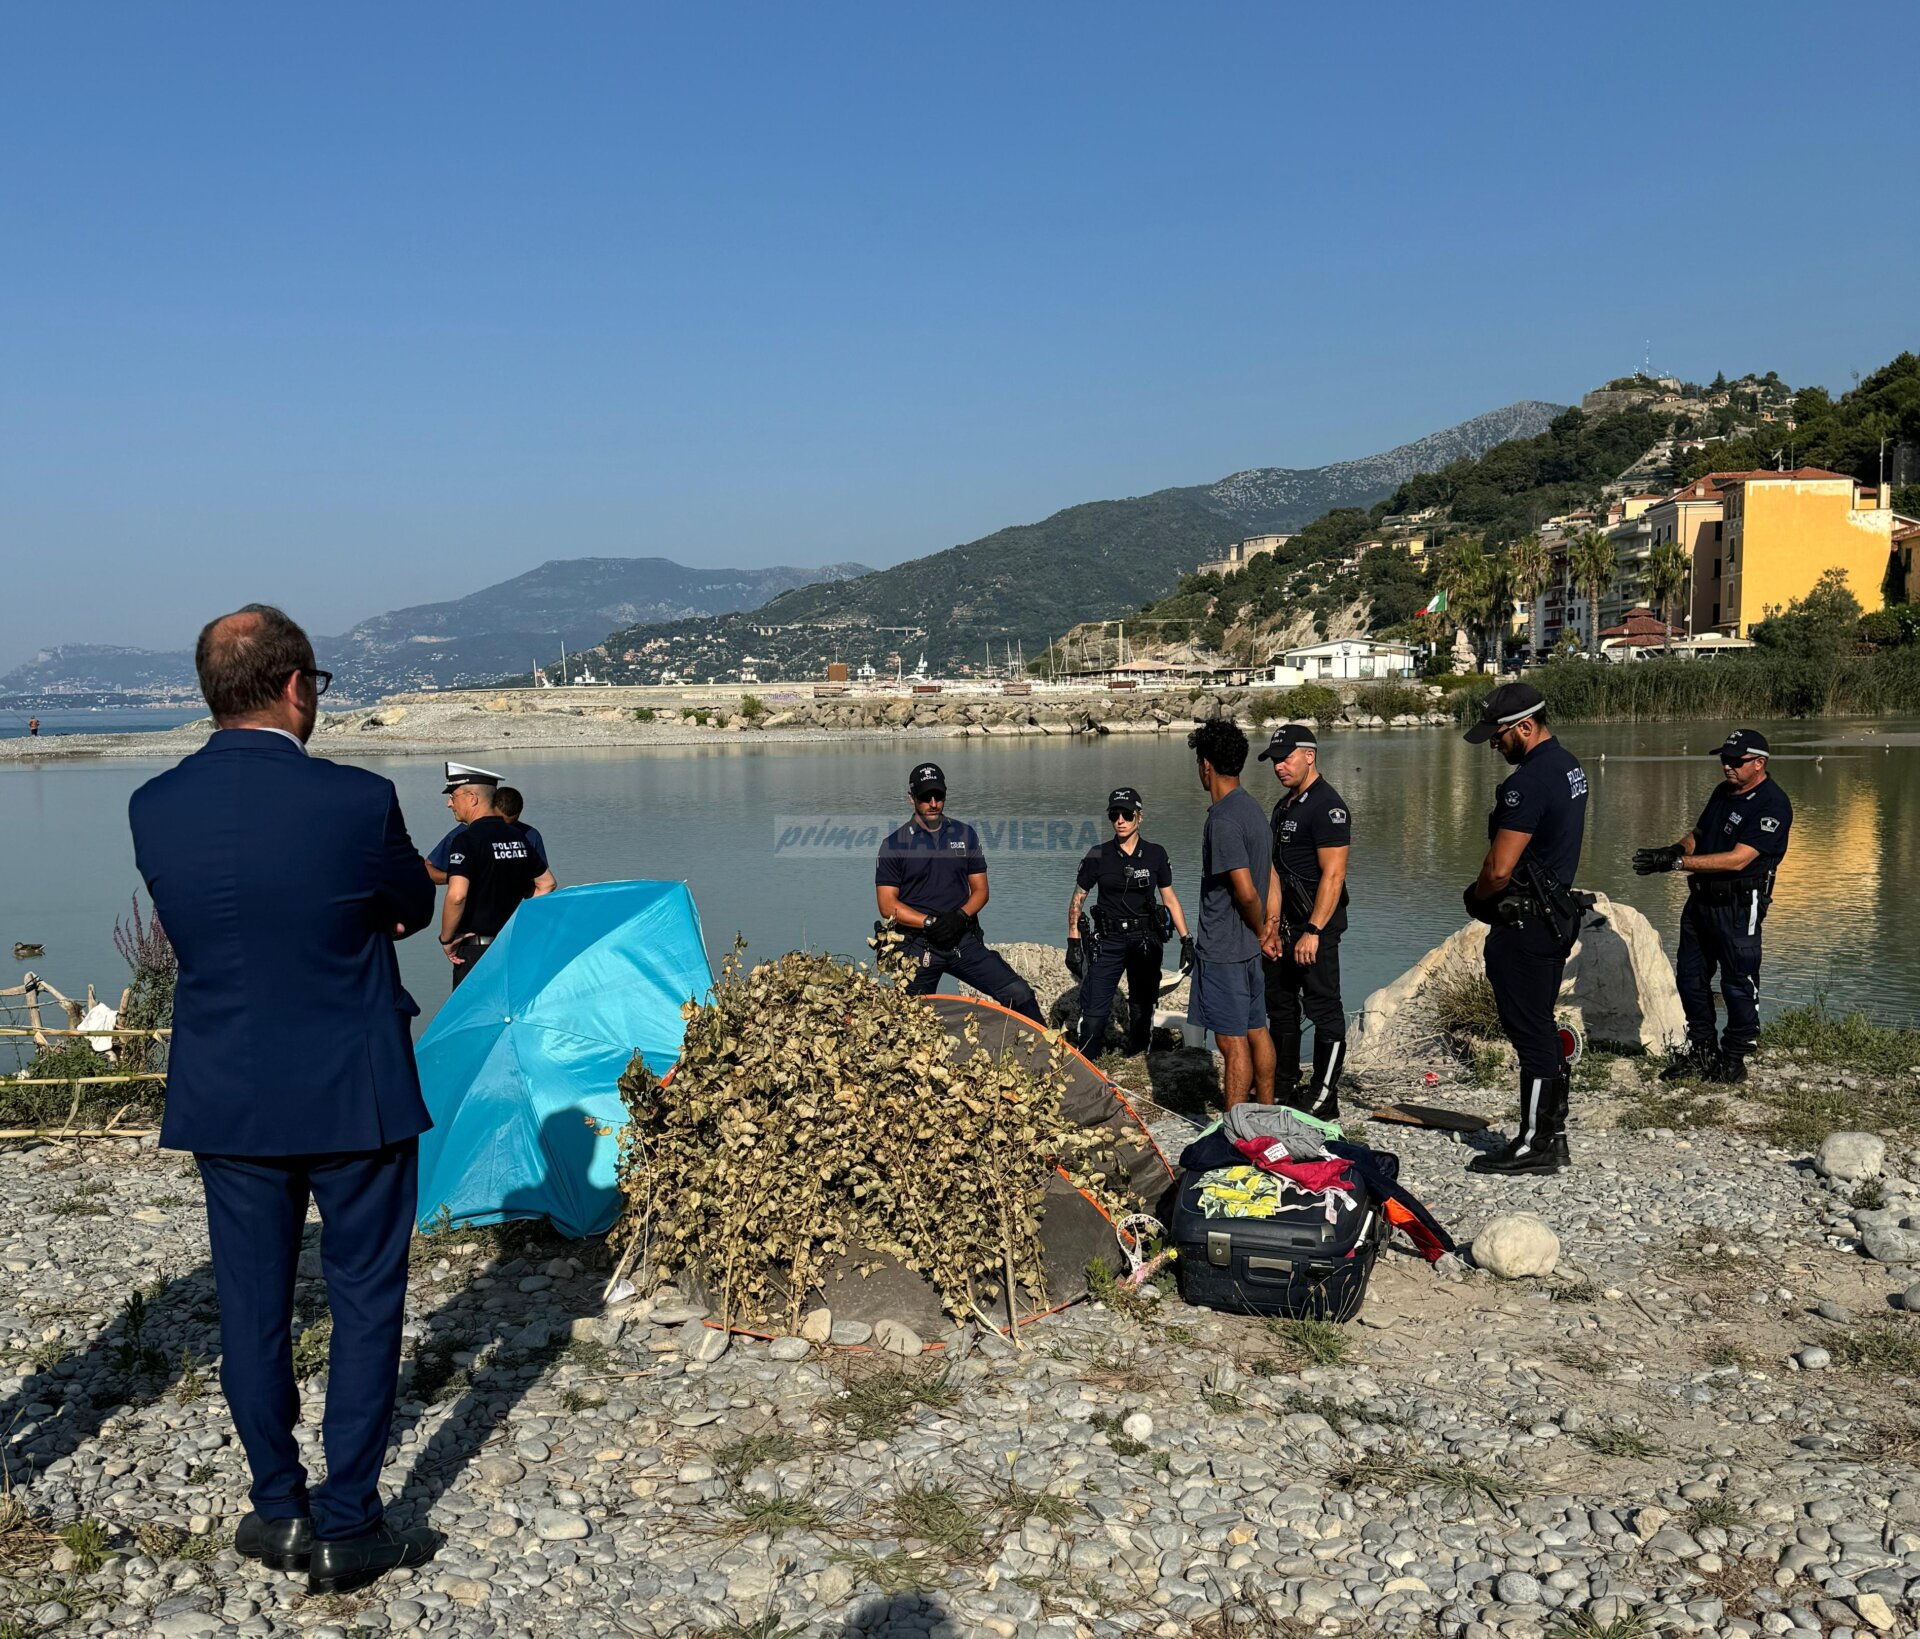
1264,1159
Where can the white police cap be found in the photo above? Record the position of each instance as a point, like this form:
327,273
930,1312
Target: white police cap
459,774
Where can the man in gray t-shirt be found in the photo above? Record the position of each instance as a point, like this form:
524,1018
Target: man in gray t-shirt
1236,859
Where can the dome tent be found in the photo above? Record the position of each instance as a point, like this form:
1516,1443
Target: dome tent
519,1069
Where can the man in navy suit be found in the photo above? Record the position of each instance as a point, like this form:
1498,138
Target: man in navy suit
283,881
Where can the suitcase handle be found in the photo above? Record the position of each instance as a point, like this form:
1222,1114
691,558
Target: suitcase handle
1314,1271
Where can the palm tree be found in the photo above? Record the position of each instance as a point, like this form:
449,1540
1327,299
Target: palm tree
1465,572
1668,568
1529,568
1591,560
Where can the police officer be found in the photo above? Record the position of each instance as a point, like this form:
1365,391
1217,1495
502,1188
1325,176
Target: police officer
1730,857
1525,893
507,803
1129,928
1306,914
931,883
490,869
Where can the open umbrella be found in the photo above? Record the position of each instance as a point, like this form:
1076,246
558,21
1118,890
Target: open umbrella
520,1067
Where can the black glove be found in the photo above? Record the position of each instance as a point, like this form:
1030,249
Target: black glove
1652,861
1481,910
1076,958
1186,950
946,929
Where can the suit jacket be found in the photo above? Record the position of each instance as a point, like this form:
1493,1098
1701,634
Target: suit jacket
279,878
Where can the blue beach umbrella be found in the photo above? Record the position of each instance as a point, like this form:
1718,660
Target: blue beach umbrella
520,1067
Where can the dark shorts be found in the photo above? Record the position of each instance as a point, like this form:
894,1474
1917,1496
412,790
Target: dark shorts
1228,998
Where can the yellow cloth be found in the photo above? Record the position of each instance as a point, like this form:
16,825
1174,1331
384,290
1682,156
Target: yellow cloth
1241,1192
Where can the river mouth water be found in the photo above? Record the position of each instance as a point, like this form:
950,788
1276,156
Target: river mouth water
777,840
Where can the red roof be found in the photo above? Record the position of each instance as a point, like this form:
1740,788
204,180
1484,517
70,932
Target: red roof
1760,473
1639,623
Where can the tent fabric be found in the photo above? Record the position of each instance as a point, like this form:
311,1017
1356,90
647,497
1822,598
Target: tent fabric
520,1070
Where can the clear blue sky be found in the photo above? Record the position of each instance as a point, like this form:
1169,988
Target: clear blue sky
353,306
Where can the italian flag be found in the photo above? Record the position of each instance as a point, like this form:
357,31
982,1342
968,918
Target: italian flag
1437,607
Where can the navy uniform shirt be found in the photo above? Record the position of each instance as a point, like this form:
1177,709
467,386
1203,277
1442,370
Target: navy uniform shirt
1546,796
1304,822
500,869
930,868
441,849
1126,881
1761,819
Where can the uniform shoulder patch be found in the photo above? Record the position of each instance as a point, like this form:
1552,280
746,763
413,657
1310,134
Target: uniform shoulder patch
1512,799
1337,815
1769,823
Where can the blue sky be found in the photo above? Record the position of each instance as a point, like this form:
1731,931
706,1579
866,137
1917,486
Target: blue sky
354,306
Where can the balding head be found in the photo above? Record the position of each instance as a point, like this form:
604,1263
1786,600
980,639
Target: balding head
252,665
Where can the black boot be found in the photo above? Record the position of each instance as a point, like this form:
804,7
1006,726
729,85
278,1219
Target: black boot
1323,1098
1695,1064
1729,1067
1541,1146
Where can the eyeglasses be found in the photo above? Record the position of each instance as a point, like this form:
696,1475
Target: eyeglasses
321,680
1123,813
1737,762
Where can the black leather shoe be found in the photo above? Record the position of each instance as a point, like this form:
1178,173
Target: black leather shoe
1726,1070
279,1544
1514,1162
340,1565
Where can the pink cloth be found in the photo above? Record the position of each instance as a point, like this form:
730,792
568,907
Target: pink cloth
1270,1155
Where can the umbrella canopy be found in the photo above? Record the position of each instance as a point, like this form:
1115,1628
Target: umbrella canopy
520,1068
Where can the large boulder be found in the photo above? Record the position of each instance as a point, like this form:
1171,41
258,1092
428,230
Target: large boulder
1851,1156
1619,987
1517,1246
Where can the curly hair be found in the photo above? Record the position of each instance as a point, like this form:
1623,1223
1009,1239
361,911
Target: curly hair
1220,743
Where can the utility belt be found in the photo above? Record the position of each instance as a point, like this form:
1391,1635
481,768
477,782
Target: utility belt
482,940
1538,898
1731,895
1100,923
887,926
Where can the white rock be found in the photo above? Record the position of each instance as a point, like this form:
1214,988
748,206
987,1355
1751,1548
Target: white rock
707,1343
894,1337
1813,1358
1850,1157
1139,1426
816,1326
788,1348
1892,1245
556,1525
1516,1245
1873,1611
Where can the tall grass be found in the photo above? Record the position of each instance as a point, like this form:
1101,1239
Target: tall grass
1750,685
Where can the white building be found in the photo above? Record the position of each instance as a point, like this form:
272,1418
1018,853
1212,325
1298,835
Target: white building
1351,660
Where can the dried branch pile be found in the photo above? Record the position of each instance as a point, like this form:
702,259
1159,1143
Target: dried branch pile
818,1112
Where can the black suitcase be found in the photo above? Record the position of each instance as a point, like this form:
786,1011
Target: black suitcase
1295,1264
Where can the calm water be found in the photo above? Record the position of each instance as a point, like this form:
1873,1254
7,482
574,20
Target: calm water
108,720
1845,921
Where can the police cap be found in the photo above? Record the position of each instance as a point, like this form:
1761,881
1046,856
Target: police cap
1125,797
1509,704
1287,739
459,774
926,780
1741,744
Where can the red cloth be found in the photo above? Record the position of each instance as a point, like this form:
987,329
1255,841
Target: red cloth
1270,1155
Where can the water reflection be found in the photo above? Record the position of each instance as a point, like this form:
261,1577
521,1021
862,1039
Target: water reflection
1843,923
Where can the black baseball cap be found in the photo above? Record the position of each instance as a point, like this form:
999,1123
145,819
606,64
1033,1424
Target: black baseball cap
1741,744
926,779
1125,797
1287,739
1509,704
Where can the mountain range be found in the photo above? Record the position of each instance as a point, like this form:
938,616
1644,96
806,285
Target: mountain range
474,639
1029,583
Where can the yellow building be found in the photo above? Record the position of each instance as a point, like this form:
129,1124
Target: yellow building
1693,517
1783,530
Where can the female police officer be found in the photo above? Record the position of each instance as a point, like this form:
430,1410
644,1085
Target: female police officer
1523,892
1129,929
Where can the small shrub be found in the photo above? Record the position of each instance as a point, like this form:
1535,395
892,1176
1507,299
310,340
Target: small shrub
1122,1443
1389,700
1889,1347
750,1451
86,1539
310,1348
1465,1007
1870,1196
1312,1342
1617,1442
752,707
877,1401
777,1514
938,1516
1314,703
1715,1513
1403,1473
643,714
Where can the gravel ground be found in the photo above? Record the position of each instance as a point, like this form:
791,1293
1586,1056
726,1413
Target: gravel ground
1629,1442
